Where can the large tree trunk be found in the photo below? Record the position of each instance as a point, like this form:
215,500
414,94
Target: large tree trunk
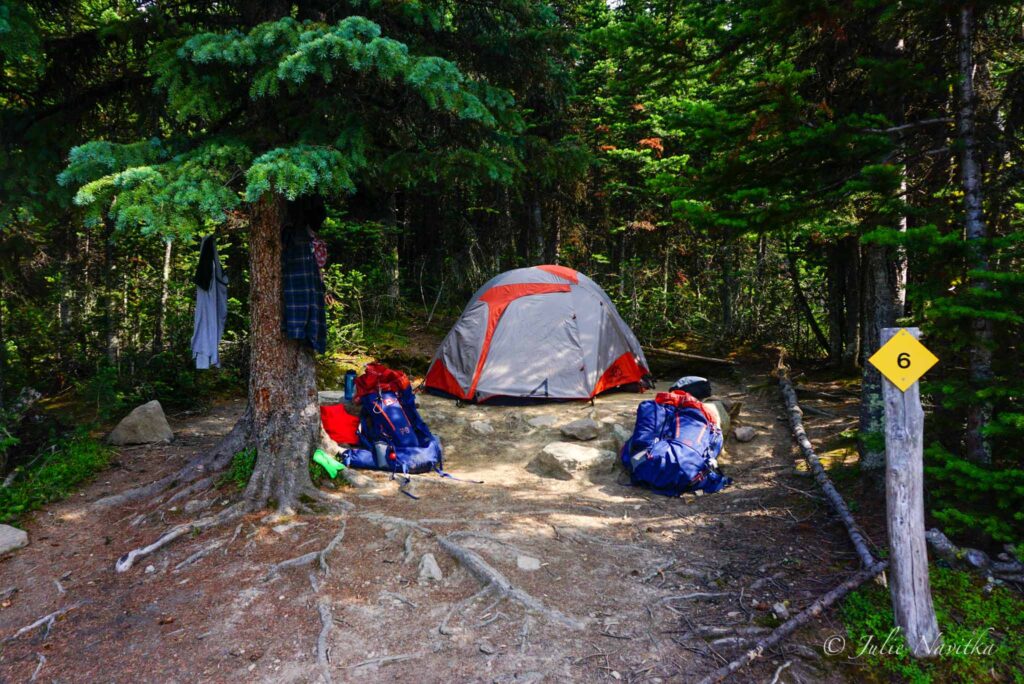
851,328
879,312
282,376
976,231
836,302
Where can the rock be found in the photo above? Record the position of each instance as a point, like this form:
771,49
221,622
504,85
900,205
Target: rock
11,538
721,415
514,422
150,569
528,563
780,611
583,429
429,569
146,424
744,434
331,397
545,420
486,647
482,427
620,436
562,460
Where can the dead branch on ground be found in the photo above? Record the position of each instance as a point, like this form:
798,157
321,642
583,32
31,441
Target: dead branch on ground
797,621
47,620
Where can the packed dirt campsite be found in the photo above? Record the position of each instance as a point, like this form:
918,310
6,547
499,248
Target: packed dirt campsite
511,341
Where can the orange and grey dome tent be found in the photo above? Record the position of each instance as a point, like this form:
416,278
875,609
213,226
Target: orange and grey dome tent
545,332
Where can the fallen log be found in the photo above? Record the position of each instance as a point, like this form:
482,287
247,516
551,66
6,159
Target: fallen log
796,423
797,621
688,356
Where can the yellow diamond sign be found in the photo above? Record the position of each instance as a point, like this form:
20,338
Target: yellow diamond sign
903,360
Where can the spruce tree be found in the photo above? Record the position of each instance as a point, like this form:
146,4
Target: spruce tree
254,119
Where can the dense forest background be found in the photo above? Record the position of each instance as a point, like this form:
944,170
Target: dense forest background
739,176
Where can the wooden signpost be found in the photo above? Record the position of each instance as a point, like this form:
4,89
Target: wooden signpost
902,360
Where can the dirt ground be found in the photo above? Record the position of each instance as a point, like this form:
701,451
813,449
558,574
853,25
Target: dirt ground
651,588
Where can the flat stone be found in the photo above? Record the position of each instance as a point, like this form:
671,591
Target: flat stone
780,611
582,429
429,569
11,538
482,427
563,460
545,420
331,397
744,434
146,424
528,563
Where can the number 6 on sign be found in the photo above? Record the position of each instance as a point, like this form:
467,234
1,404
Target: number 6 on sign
903,360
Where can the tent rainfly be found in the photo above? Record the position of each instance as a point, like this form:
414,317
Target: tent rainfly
535,333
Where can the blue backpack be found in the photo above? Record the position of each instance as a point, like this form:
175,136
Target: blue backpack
674,446
389,417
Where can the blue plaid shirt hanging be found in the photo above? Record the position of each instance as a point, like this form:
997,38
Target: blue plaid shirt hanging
303,287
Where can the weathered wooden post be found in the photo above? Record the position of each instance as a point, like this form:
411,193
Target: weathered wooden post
904,502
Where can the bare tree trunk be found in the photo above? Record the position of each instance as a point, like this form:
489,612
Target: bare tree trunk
110,319
851,328
836,282
909,588
879,312
801,300
979,414
282,377
725,291
161,314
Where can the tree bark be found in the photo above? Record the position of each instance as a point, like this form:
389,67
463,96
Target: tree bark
979,413
879,297
283,401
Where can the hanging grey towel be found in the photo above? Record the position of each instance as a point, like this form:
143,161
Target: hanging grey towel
211,308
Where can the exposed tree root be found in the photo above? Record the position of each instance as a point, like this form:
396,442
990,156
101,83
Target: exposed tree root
381,519
39,667
200,554
459,607
194,488
800,619
297,562
386,660
493,579
322,557
209,462
323,651
125,562
778,671
47,620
